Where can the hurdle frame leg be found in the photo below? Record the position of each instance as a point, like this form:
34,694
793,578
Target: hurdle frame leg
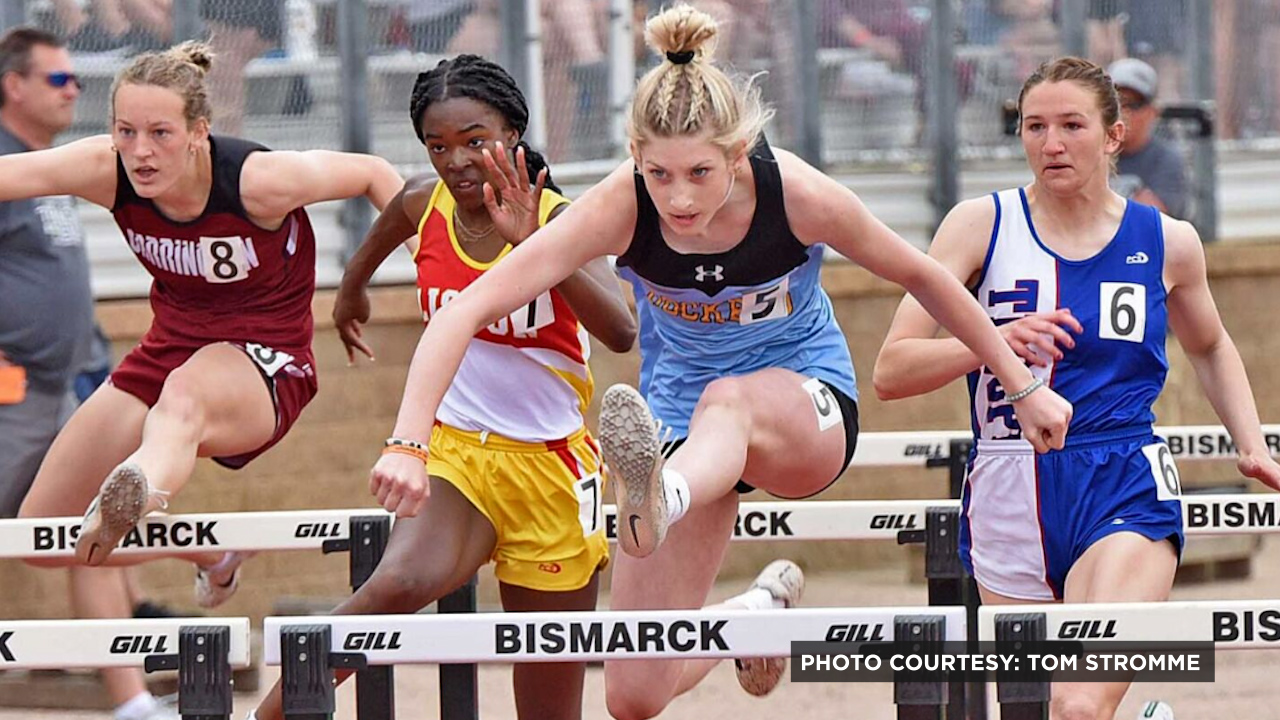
1022,695
375,686
204,673
459,684
920,700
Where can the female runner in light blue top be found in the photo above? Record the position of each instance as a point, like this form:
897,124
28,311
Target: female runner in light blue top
741,355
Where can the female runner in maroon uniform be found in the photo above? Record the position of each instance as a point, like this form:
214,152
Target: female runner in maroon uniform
226,367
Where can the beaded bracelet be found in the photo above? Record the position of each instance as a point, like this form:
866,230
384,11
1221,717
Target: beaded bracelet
1034,386
406,447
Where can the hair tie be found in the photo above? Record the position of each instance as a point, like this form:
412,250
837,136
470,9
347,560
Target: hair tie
680,58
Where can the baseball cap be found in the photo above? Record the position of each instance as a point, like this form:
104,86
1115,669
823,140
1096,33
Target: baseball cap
1135,75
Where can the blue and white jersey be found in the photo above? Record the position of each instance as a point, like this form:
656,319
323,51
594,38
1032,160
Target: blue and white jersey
1118,366
706,316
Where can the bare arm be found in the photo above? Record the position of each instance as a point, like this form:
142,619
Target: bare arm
395,224
273,184
822,210
595,296
1193,315
914,361
84,168
600,223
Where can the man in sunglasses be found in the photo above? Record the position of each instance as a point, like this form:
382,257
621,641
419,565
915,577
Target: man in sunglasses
46,310
1151,170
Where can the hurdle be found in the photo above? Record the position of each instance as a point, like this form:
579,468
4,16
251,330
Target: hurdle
364,532
308,653
202,650
1223,625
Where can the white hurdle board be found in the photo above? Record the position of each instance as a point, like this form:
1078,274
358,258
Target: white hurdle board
190,534
1228,624
1188,442
61,644
757,521
589,636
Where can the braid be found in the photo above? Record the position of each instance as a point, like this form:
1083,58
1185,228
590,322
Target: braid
697,100
482,80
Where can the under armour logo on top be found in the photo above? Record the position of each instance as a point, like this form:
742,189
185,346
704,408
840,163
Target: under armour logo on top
717,274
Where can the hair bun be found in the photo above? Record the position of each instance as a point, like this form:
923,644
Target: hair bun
681,32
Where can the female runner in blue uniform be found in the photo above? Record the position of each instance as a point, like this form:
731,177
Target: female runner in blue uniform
1083,284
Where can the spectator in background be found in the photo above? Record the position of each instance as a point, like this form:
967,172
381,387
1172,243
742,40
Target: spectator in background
239,31
127,26
1154,31
46,309
1151,171
887,28
434,23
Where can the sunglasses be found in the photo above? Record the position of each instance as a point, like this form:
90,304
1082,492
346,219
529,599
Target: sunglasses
62,79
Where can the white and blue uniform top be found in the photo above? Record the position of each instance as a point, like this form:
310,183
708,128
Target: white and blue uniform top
1118,365
706,316
1028,518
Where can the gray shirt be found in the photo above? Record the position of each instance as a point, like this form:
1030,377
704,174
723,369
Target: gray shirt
1157,166
46,305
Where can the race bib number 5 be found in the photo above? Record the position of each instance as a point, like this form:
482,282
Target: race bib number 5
824,403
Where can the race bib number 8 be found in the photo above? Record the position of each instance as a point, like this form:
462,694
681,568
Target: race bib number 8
266,358
225,259
1164,471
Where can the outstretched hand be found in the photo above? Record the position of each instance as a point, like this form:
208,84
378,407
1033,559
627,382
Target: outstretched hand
511,203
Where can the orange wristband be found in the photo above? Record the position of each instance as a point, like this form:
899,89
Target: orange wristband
407,447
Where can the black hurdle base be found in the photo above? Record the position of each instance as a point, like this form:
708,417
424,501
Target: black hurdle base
204,674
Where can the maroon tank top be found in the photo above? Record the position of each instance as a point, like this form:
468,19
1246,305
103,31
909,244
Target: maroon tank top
220,277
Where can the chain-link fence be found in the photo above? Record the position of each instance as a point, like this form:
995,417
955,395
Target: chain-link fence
857,83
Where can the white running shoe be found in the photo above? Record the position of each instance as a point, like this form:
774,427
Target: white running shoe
784,580
210,594
115,511
631,446
1156,710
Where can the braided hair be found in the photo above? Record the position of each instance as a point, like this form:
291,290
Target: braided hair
474,77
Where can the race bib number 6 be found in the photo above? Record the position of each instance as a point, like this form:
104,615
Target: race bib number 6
1164,471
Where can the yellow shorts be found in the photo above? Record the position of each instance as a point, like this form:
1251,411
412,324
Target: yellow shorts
543,499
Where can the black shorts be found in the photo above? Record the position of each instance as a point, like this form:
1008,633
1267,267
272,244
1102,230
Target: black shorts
849,411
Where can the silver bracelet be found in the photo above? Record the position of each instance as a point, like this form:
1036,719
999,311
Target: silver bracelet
1034,386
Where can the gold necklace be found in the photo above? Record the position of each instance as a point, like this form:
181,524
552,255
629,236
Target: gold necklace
472,235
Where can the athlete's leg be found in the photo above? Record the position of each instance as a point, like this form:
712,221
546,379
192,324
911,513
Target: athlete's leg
550,691
101,433
427,557
215,404
1122,567
677,576
761,428
764,428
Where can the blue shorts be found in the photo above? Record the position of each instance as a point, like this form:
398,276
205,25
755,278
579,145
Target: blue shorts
1028,518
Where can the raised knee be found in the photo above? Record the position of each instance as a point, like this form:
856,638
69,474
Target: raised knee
1076,707
398,589
47,563
632,696
723,392
626,704
179,399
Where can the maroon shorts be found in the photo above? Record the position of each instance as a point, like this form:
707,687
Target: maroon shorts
291,379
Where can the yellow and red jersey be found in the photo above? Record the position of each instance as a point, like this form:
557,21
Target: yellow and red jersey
525,377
